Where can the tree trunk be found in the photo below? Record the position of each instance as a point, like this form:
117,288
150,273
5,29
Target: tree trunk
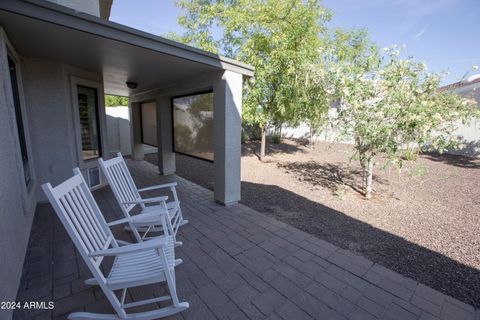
364,176
369,179
312,133
363,165
263,136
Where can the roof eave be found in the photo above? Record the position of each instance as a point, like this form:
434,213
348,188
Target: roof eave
69,18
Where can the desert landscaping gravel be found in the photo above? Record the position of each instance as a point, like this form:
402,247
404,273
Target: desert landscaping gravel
423,220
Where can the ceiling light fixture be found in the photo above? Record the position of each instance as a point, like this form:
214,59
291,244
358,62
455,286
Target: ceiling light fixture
131,85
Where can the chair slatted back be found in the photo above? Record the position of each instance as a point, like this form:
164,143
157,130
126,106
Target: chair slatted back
75,206
121,182
176,222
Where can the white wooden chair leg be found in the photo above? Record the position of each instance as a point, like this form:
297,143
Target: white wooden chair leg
128,196
134,265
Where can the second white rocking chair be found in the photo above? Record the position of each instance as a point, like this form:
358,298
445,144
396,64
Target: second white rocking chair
128,196
138,264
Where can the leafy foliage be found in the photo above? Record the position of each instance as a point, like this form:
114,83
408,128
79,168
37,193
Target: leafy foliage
387,105
277,37
395,107
318,85
115,101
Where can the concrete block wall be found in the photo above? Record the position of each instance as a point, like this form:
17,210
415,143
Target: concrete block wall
118,130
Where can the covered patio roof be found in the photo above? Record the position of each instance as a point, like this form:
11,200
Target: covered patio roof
40,29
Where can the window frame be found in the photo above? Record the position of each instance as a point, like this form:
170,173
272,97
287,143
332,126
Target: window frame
19,113
100,114
173,123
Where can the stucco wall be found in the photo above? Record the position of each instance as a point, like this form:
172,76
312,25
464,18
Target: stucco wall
16,207
88,6
47,107
47,87
46,98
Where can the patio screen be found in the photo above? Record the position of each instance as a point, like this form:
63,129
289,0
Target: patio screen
149,123
193,125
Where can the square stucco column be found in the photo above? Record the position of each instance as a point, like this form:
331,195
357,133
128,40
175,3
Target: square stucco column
135,120
227,118
166,157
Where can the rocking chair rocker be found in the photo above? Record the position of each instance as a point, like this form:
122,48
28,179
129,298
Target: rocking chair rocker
128,196
137,264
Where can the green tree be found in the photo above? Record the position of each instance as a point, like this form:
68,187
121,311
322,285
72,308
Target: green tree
115,101
277,37
398,105
318,84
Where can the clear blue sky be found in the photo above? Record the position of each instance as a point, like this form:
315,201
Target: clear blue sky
443,33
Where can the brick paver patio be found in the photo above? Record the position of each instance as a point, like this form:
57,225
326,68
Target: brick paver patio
238,264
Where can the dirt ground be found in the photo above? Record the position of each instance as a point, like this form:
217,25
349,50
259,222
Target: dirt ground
422,222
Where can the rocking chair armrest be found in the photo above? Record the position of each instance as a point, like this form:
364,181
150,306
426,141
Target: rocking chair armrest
156,243
160,186
136,218
147,200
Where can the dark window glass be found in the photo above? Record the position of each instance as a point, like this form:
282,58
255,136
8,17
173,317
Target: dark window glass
193,125
89,122
18,116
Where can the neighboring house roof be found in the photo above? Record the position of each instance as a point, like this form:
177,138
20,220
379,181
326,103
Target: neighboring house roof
459,84
467,89
46,30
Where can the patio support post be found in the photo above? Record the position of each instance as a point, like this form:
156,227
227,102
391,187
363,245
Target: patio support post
137,147
166,156
227,131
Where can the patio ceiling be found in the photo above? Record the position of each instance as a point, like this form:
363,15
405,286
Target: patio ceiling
43,30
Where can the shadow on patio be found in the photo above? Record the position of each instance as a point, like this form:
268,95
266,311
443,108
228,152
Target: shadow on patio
241,264
407,258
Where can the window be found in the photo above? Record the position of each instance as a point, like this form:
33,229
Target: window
193,125
19,119
89,122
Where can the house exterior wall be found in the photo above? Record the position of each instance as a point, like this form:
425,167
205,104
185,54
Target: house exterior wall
88,6
49,101
47,106
17,200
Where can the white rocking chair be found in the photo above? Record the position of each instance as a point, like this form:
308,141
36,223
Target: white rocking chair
140,219
135,265
128,196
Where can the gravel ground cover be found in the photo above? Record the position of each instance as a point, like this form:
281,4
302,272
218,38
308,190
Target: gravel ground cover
422,222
